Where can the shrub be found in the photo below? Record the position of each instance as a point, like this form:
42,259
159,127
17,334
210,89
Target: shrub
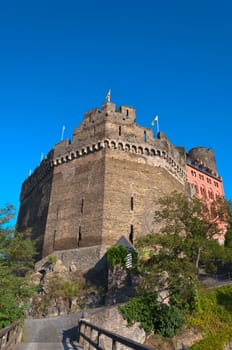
52,259
164,319
140,309
167,320
118,256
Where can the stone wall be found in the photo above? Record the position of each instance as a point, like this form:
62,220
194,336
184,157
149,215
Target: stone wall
76,204
35,198
133,183
81,260
110,319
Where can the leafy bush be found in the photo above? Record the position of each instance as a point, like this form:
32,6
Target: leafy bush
167,320
162,318
140,309
118,256
186,298
52,259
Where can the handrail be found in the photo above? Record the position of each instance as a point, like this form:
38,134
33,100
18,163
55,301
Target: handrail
94,339
10,336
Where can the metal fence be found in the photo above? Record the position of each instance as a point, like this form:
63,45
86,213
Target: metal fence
91,336
215,279
10,336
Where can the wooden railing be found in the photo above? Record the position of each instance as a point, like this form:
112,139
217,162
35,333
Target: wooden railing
10,336
91,337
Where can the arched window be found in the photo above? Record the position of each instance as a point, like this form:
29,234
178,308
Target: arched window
210,194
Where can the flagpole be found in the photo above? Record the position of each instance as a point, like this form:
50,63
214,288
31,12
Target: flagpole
157,125
62,134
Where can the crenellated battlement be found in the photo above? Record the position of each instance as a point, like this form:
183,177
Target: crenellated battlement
143,150
157,157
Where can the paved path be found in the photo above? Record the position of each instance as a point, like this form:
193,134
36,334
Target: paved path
48,346
54,333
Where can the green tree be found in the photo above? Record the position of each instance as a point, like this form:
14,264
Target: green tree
16,260
228,238
171,259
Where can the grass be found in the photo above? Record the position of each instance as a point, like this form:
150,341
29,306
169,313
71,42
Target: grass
214,319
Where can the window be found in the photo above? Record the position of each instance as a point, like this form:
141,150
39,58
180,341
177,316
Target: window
54,238
132,203
193,173
203,191
120,131
79,236
145,136
210,194
131,235
82,206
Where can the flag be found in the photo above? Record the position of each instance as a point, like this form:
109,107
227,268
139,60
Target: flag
108,96
154,120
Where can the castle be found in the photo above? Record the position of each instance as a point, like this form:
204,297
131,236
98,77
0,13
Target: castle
103,183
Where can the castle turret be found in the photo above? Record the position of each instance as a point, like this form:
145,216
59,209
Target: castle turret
205,157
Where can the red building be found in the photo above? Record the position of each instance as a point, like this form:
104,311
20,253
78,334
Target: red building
204,180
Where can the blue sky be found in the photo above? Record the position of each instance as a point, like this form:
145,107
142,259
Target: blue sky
59,58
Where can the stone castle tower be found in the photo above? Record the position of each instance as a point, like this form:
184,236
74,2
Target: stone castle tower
102,184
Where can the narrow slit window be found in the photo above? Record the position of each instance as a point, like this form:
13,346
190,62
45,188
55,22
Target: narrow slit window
79,236
145,136
120,131
82,206
54,238
132,203
131,235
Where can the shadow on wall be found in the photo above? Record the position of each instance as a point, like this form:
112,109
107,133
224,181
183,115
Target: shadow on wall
98,275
